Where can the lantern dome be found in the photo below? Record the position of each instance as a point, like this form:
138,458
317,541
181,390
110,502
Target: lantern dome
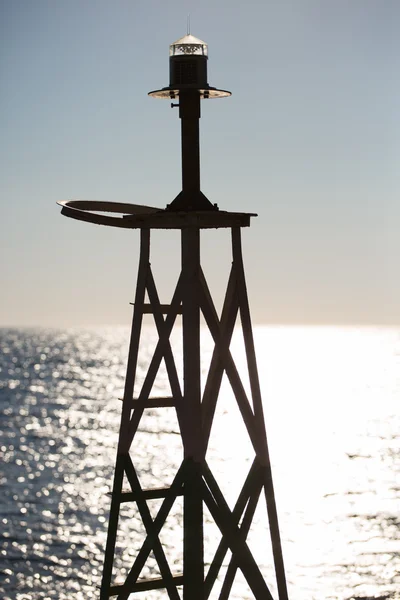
188,45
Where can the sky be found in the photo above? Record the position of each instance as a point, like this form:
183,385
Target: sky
309,140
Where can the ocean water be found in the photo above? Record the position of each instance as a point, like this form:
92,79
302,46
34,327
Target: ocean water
331,400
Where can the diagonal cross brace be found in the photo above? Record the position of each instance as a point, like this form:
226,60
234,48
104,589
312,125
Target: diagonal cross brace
158,355
244,530
214,325
153,531
224,519
247,490
148,522
168,355
216,370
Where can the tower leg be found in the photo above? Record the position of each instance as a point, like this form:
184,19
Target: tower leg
123,444
112,530
259,413
193,550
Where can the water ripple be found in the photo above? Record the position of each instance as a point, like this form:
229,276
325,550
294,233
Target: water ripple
331,403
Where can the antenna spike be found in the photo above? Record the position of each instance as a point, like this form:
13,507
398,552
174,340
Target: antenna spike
188,24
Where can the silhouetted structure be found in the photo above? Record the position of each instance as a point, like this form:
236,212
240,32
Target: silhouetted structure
190,212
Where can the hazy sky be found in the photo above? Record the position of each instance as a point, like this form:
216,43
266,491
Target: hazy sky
310,140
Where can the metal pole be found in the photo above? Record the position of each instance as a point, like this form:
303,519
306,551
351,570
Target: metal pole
189,113
193,545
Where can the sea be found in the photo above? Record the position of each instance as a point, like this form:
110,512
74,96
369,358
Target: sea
331,399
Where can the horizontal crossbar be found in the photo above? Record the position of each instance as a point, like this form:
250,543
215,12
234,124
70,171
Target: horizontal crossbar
159,402
148,494
144,585
148,309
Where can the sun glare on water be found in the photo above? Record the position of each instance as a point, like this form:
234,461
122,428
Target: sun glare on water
330,399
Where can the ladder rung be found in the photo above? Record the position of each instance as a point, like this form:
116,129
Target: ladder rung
148,309
148,494
162,402
144,585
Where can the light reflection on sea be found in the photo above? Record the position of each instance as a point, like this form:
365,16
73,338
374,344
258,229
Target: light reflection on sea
331,398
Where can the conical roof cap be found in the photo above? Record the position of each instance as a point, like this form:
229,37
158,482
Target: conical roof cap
188,39
188,44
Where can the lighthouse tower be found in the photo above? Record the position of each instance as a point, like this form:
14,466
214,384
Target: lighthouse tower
189,213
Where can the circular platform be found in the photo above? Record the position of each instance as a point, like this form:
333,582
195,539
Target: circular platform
136,216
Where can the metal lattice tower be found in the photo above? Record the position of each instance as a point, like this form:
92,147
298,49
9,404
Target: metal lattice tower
190,212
